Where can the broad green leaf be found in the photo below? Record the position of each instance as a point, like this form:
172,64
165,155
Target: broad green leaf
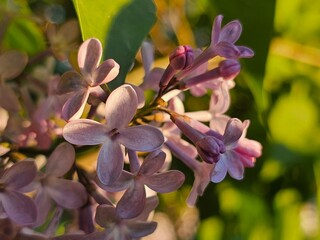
120,25
95,17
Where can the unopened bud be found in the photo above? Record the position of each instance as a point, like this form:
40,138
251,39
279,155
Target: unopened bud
229,69
181,57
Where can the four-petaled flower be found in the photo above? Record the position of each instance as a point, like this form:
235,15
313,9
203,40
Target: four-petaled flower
222,44
19,208
51,186
121,107
88,81
133,201
116,227
240,152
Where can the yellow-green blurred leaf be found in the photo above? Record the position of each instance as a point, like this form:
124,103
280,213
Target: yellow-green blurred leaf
294,120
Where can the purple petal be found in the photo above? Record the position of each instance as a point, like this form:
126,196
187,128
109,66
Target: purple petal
165,182
147,53
70,81
231,32
8,70
20,174
185,147
121,184
220,171
43,203
110,162
61,160
245,52
219,123
106,72
132,202
152,163
106,215
89,55
66,193
232,132
121,106
151,203
74,106
227,50
140,95
220,100
234,165
216,28
141,229
19,207
249,147
152,79
8,99
143,138
85,132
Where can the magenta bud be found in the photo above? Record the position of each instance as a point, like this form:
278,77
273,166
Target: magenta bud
229,69
181,57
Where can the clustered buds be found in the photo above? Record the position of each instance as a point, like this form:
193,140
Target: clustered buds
80,112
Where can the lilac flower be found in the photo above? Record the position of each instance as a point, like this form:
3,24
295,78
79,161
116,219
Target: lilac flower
219,104
121,106
63,39
240,152
19,208
133,201
227,69
12,63
209,145
51,186
222,44
179,59
115,227
91,76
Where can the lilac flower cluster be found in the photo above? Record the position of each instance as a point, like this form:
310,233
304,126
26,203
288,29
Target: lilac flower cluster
79,110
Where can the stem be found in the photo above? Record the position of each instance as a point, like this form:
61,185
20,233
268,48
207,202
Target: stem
191,163
52,227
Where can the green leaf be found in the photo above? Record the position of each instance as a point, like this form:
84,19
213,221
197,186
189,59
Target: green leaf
120,25
24,35
95,17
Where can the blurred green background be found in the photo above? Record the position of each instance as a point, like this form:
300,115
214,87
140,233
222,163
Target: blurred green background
278,90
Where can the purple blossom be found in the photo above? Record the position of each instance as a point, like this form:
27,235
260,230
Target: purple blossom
19,208
219,105
121,106
179,59
222,44
240,152
116,227
87,81
227,69
209,145
52,186
133,201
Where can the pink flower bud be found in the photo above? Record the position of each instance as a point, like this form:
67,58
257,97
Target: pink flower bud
229,69
181,57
